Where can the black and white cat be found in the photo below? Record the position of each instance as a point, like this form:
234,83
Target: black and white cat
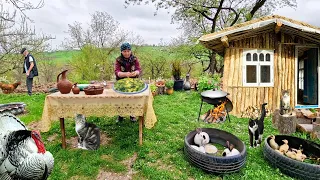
256,127
88,133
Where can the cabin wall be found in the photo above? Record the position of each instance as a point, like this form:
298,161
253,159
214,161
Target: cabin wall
284,71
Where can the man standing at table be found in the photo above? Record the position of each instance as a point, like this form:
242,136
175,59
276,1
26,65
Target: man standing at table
127,66
29,68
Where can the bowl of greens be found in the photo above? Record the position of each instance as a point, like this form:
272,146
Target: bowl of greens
129,86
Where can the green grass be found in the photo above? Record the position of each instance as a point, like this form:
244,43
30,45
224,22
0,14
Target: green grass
161,156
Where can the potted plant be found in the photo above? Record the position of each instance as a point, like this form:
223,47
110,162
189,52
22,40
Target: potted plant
169,86
160,86
176,73
153,89
209,83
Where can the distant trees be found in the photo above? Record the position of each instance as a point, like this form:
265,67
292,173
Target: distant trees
198,17
16,33
99,44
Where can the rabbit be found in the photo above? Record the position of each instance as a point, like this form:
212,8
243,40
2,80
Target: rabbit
230,150
201,138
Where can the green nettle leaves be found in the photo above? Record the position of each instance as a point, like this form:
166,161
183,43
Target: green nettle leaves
208,83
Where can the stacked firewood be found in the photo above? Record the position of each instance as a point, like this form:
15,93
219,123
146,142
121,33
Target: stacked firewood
217,114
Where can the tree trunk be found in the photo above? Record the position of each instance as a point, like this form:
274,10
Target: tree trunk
287,124
213,63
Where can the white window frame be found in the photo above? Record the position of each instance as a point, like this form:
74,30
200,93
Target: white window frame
258,64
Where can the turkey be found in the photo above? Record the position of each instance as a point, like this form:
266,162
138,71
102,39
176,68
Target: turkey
22,152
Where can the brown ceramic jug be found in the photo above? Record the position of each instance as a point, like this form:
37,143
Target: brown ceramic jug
63,84
75,89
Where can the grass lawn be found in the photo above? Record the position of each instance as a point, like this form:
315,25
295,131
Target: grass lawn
160,157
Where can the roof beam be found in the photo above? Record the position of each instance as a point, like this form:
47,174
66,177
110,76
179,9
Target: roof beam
278,26
225,41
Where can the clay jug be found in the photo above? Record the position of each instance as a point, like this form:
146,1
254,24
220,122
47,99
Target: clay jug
187,85
75,89
63,85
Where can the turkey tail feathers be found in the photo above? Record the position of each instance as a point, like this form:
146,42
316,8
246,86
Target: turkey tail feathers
9,122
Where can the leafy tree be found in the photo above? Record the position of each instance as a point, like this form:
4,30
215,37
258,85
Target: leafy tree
198,17
91,64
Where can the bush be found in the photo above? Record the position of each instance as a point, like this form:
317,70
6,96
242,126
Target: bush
153,87
169,84
91,63
208,83
176,70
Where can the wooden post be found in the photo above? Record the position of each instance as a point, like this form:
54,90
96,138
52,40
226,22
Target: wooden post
63,133
225,41
141,122
277,27
275,118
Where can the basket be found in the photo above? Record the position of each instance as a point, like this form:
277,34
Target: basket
291,167
216,164
93,90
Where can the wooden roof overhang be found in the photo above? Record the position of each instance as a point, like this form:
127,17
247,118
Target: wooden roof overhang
218,41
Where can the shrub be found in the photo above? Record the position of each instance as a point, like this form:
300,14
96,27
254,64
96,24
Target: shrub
169,84
176,70
208,83
153,87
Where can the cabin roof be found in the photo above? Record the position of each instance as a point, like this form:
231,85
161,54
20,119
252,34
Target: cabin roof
258,26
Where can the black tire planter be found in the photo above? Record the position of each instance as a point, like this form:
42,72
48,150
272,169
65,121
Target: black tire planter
211,163
292,167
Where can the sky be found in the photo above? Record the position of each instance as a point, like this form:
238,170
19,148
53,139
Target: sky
55,16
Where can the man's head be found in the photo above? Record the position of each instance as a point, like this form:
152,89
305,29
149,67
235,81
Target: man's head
126,50
24,51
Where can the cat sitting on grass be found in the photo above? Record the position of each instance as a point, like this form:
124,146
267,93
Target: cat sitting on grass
88,133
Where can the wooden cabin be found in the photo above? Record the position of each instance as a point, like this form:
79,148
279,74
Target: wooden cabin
264,56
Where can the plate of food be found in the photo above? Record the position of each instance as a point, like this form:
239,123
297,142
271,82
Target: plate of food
129,86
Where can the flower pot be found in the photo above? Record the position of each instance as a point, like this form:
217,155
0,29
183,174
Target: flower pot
154,93
170,91
178,85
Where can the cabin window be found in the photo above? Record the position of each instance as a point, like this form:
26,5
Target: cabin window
259,71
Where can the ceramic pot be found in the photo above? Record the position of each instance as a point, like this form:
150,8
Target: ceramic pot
75,89
187,85
63,84
170,91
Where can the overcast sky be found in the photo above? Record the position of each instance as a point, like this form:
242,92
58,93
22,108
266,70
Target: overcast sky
55,16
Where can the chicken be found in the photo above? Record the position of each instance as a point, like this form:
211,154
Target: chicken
273,143
22,152
284,147
9,88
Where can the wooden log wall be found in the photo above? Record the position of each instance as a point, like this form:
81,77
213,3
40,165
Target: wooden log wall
284,71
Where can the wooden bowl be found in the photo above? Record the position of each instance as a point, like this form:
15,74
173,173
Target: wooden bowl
93,90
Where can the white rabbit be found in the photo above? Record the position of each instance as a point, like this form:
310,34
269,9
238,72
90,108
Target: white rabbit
201,138
230,150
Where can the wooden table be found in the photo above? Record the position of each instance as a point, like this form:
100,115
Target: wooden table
109,103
